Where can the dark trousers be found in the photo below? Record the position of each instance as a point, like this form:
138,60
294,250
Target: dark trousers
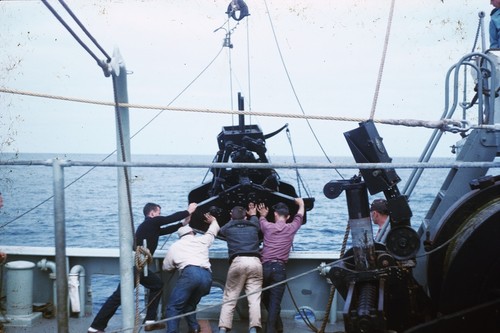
108,309
273,272
194,282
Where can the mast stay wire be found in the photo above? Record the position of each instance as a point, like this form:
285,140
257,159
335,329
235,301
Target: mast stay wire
107,73
131,137
100,62
300,181
70,12
293,88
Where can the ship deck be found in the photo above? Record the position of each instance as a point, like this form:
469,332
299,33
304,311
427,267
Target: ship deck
309,292
208,325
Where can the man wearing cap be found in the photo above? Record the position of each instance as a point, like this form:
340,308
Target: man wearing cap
278,239
379,214
242,236
150,230
189,255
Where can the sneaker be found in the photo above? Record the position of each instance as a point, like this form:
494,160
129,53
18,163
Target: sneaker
252,330
93,330
154,327
222,330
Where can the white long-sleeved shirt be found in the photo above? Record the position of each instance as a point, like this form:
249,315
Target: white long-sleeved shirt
191,250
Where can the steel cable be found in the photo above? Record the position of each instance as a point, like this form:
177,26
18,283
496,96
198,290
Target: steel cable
85,47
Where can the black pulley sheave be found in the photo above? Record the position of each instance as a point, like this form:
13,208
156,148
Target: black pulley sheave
237,6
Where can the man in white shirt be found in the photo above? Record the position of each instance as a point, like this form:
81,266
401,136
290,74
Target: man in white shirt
189,255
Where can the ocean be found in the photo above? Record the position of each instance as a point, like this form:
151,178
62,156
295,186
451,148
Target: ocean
91,202
92,208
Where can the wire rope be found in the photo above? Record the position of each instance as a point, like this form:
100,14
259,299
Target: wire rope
291,84
84,29
248,70
85,47
114,151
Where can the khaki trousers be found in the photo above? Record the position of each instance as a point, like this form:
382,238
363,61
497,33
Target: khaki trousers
244,272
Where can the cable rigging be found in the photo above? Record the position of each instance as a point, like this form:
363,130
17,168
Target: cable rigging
291,84
103,64
131,137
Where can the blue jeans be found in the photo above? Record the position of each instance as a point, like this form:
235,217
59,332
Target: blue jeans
194,282
151,282
273,272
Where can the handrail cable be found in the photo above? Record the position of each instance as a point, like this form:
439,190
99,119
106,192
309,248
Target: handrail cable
198,165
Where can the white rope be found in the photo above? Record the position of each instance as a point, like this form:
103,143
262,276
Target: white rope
441,124
382,61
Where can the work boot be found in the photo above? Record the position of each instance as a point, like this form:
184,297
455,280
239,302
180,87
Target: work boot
154,327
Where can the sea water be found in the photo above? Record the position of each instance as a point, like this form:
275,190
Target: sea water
91,202
91,199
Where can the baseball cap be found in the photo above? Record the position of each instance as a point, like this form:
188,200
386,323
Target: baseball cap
183,231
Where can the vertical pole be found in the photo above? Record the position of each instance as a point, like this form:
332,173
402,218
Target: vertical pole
125,223
241,116
361,228
62,313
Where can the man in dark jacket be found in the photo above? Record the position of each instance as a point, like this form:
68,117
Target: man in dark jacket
243,242
151,229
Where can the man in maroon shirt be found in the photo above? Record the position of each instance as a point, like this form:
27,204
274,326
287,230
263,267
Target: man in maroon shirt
278,239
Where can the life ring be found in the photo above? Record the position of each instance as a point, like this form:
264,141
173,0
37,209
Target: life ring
237,6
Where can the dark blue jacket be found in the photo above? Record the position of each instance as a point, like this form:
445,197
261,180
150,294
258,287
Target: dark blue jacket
243,237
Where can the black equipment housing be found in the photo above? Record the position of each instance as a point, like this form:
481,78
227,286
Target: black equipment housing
231,187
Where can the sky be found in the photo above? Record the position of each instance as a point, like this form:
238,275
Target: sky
289,56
